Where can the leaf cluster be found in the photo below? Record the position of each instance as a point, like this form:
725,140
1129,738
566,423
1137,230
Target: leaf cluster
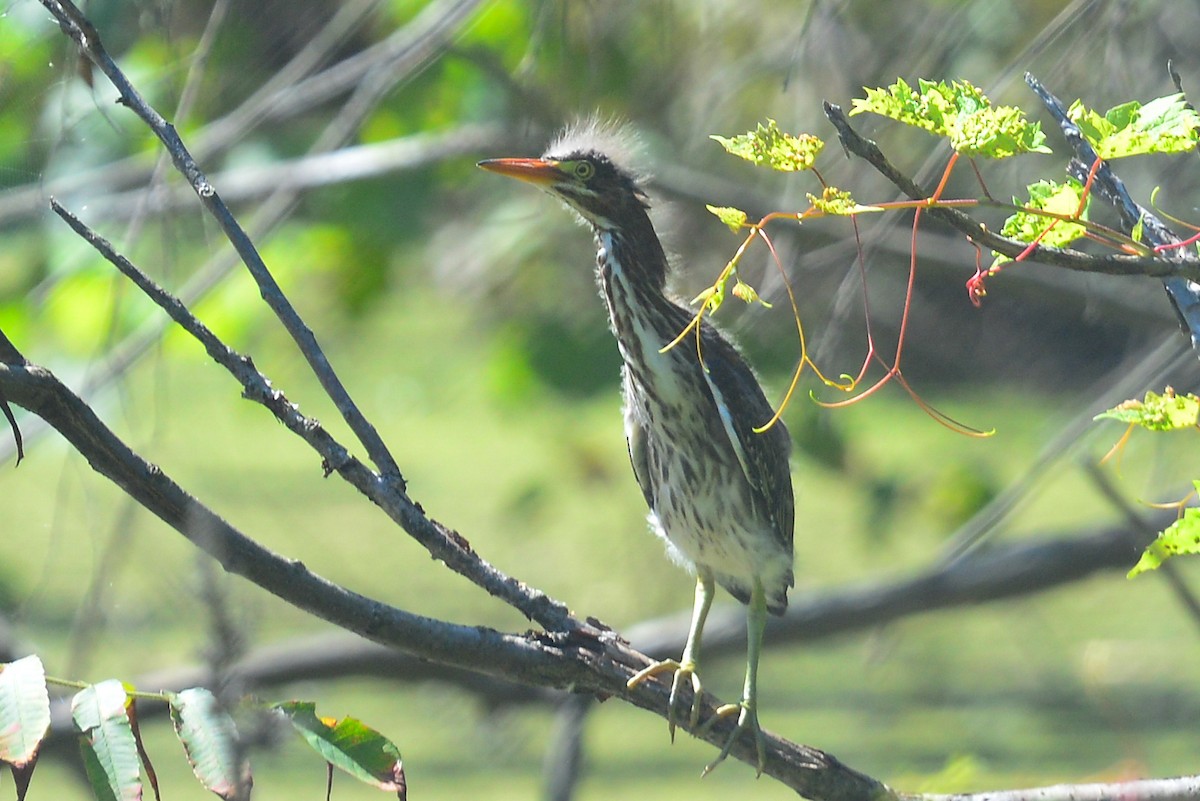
960,112
769,146
1164,125
114,756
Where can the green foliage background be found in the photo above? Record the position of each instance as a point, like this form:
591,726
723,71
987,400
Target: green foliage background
462,313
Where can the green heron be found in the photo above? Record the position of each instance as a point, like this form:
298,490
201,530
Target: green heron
719,492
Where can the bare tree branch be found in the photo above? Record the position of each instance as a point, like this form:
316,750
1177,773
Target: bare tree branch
587,658
397,57
442,543
81,30
999,573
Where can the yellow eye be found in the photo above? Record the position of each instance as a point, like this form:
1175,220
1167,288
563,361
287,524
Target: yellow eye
584,170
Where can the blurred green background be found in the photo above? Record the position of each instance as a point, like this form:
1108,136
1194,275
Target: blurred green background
460,310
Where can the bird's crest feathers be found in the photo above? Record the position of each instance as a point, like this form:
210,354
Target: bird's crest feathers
605,135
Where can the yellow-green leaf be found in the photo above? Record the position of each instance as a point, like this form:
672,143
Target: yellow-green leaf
769,146
734,218
712,297
1164,125
1056,198
838,202
960,112
747,293
1181,537
1165,412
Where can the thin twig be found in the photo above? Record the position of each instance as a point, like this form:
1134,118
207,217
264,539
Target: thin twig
81,30
442,543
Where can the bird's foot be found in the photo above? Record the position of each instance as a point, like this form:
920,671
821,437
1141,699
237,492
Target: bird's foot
685,671
747,719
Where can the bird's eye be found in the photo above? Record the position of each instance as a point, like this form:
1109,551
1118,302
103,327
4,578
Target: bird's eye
584,170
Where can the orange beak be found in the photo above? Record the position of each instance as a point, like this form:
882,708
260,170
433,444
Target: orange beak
540,172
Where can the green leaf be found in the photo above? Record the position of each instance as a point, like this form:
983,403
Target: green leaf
24,711
1165,412
1181,537
1051,196
734,218
960,112
838,202
350,745
768,146
1164,125
747,293
712,297
210,739
109,750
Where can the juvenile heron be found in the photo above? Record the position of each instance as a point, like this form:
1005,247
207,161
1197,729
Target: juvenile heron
720,494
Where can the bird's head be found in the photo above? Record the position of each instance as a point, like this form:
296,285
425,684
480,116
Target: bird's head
606,195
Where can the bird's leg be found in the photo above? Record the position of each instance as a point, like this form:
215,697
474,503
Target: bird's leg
686,668
747,708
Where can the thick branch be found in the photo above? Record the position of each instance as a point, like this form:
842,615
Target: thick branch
998,573
588,659
37,390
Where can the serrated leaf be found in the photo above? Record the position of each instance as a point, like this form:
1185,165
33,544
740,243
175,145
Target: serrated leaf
961,113
1181,537
1164,125
734,218
1051,196
1165,412
210,738
106,738
350,745
838,202
24,711
769,146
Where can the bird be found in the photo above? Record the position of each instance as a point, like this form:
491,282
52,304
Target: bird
718,484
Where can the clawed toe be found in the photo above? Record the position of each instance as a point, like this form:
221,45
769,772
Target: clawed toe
747,714
747,719
682,671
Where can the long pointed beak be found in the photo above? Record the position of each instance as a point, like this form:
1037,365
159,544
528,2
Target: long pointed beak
541,172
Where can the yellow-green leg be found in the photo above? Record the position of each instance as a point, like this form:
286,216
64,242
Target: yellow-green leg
688,666
747,708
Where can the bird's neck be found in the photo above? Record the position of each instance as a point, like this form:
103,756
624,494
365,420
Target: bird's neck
631,269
